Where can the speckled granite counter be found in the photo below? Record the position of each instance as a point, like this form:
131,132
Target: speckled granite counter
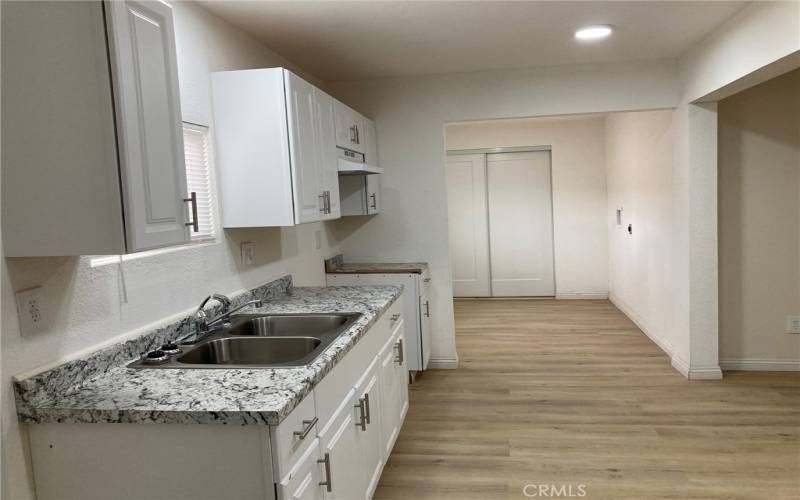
335,265
100,389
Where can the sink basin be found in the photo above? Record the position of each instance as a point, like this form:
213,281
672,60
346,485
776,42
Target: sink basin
259,341
287,324
251,351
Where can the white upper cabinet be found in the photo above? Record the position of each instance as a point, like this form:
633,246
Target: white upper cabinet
94,162
144,68
275,149
304,151
349,128
329,174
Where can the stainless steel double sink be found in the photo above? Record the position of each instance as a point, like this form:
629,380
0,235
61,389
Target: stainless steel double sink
260,341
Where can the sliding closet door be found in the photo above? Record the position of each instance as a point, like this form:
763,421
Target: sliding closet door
520,224
469,239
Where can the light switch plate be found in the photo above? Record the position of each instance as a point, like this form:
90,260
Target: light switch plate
31,310
792,324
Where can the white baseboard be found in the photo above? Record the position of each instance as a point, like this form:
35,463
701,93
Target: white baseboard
443,363
680,365
581,295
761,365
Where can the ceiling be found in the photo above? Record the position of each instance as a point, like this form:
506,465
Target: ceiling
364,40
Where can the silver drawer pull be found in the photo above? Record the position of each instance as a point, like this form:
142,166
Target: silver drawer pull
309,424
366,403
374,204
362,413
193,200
394,317
400,354
324,208
427,280
327,481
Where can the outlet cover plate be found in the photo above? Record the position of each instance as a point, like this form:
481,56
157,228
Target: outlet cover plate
31,310
792,324
248,252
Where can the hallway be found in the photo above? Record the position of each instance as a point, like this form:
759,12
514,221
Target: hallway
572,393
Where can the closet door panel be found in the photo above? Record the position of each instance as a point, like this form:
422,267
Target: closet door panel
467,213
520,224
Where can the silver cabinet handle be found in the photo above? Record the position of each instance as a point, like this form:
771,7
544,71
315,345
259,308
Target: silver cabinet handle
322,197
327,481
400,354
366,403
353,132
328,201
362,411
358,136
427,309
194,223
427,280
394,317
309,424
374,201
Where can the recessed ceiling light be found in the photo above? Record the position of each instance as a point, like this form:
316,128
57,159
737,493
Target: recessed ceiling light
593,32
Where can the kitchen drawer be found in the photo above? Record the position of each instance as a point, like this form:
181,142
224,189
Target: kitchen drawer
287,447
335,385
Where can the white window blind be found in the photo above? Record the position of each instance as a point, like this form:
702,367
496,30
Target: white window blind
199,179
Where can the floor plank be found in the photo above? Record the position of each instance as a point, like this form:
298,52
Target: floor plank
573,393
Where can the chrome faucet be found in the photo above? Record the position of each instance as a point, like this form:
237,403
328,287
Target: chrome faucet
202,325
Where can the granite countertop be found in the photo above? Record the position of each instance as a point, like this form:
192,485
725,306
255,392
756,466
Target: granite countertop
204,396
335,265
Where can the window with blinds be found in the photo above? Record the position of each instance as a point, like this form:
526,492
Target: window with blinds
199,179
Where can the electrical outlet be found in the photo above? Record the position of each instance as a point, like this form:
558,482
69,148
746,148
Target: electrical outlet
31,310
248,253
792,324
318,239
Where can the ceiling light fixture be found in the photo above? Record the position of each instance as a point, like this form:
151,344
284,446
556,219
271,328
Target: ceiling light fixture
593,32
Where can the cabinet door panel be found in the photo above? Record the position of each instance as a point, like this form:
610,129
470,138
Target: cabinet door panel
401,372
326,149
339,444
369,436
145,73
370,142
373,186
425,327
349,128
302,483
389,408
303,152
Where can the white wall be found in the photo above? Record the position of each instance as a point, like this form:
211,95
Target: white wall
759,42
759,224
579,189
89,306
410,115
639,167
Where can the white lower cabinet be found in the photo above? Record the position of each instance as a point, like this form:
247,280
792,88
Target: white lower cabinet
303,481
368,436
333,445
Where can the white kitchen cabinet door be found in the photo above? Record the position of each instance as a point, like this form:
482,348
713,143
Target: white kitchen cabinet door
468,225
302,483
390,396
372,184
521,224
303,149
349,128
401,372
326,151
368,435
145,74
339,449
425,326
370,143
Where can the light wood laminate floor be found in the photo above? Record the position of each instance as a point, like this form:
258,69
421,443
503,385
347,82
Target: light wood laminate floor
573,393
